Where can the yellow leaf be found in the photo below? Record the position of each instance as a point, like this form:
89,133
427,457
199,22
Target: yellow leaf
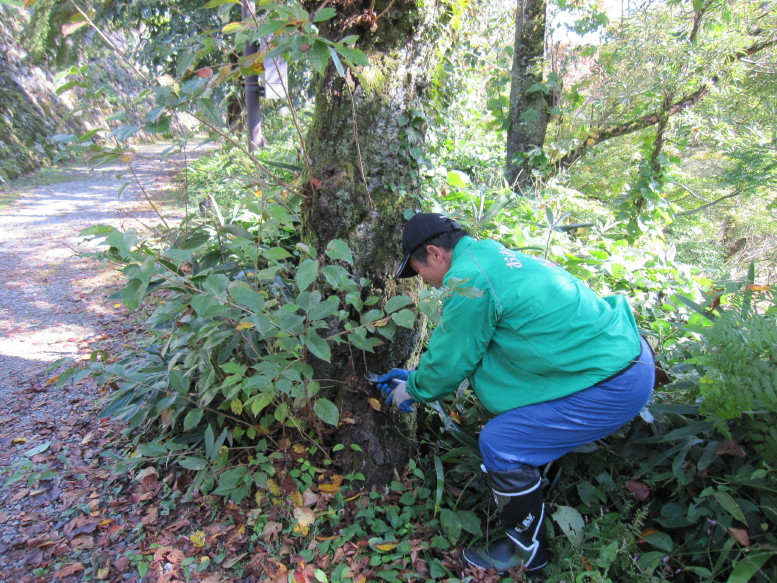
299,448
245,325
305,517
386,546
198,539
102,572
116,305
223,74
383,322
296,497
333,485
756,287
18,440
273,487
258,193
127,157
374,403
165,80
233,27
328,488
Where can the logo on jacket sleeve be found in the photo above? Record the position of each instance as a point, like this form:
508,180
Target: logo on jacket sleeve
511,260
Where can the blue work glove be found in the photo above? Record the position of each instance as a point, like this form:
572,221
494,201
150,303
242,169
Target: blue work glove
393,385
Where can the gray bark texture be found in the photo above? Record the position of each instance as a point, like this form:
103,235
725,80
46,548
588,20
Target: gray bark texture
529,111
359,182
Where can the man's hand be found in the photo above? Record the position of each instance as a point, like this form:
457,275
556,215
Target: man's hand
393,385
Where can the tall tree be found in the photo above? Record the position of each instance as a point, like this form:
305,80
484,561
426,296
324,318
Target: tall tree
529,110
360,181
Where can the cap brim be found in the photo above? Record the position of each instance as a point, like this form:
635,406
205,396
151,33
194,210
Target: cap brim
405,270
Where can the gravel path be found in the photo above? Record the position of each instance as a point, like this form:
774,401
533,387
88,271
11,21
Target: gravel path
49,300
54,304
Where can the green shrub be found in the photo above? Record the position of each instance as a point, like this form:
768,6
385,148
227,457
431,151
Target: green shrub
237,314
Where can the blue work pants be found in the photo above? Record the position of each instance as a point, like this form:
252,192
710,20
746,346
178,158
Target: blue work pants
537,434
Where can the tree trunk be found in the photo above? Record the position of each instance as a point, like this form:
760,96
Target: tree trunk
529,110
359,181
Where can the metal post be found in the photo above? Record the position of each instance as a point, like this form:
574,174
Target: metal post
252,89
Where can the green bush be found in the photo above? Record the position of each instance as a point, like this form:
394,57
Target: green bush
238,311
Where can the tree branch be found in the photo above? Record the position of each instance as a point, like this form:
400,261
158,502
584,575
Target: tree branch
709,204
596,137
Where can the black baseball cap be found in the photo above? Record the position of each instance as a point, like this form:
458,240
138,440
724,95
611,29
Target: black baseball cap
418,231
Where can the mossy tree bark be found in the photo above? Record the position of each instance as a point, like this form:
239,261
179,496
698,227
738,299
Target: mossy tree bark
529,111
359,182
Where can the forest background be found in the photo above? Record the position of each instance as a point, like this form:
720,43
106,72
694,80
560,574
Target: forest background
633,144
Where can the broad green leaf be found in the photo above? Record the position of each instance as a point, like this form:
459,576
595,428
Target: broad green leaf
727,501
217,3
470,522
354,56
202,303
268,28
275,253
210,111
38,449
152,449
571,523
451,524
338,64
210,439
317,345
308,300
324,309
288,322
258,403
318,55
185,61
244,294
192,463
661,541
404,318
216,284
307,272
396,303
744,569
192,419
323,14
339,250
327,411
237,231
359,339
338,278
458,179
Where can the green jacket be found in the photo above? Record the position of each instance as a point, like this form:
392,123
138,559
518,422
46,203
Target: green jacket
536,334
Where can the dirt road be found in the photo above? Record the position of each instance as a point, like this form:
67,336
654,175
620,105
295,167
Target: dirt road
53,304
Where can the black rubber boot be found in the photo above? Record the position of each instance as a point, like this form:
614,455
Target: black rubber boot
518,495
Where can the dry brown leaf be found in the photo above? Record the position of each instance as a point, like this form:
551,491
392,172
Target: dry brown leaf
639,490
729,447
150,517
84,541
271,531
741,536
69,570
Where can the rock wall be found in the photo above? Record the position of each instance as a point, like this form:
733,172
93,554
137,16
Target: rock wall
31,112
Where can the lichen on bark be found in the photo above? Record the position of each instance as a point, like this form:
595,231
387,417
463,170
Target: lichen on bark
359,183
